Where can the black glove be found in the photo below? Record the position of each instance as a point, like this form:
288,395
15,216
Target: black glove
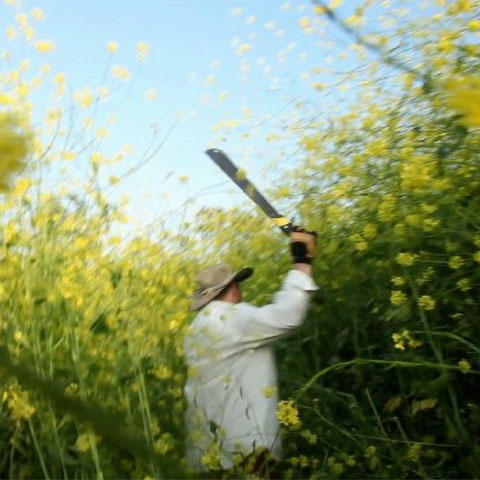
304,245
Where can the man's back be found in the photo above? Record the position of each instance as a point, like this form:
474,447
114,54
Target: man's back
232,385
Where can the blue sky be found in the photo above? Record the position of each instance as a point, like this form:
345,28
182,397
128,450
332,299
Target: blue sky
194,58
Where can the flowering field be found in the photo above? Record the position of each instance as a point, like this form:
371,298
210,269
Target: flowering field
382,379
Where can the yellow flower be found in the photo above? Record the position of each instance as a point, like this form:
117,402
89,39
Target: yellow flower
370,451
474,25
17,401
60,78
103,92
6,99
414,220
11,33
85,442
350,460
399,341
143,49
404,339
162,372
370,230
309,436
269,391
72,389
163,445
246,47
211,458
120,72
25,66
455,262
427,302
304,22
414,452
19,337
361,246
417,172
44,46
398,281
464,365
112,47
237,11
15,146
84,97
38,14
429,208
464,98
210,80
288,414
23,185
405,258
464,284
397,297
22,19
430,224
151,94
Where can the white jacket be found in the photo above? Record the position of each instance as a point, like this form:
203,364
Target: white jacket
232,386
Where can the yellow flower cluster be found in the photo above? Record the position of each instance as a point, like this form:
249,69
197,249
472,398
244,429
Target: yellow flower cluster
14,147
404,339
86,441
287,414
143,50
269,391
426,302
398,297
18,403
211,458
120,72
464,365
406,258
455,262
464,98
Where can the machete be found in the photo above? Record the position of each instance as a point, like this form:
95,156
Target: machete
239,178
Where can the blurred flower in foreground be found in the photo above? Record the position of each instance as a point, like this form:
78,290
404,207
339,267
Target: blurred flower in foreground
464,98
14,147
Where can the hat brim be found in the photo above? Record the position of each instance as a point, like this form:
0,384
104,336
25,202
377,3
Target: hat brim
199,300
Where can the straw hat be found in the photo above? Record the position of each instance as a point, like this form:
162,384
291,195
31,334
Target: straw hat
213,280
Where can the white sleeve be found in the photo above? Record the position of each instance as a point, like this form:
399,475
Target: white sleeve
261,325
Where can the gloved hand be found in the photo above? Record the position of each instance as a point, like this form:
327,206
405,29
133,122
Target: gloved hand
303,245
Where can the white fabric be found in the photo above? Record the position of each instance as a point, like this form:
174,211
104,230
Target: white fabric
231,363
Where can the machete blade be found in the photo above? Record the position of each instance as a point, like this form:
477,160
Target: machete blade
237,176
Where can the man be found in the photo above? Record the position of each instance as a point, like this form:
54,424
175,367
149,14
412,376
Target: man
232,386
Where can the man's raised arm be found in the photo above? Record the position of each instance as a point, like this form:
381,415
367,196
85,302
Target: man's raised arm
262,325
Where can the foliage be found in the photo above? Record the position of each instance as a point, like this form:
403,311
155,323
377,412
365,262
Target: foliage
381,379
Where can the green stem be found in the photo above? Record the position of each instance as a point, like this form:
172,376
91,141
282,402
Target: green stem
391,363
37,448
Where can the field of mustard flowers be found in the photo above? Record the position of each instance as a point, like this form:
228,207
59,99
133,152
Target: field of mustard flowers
382,379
